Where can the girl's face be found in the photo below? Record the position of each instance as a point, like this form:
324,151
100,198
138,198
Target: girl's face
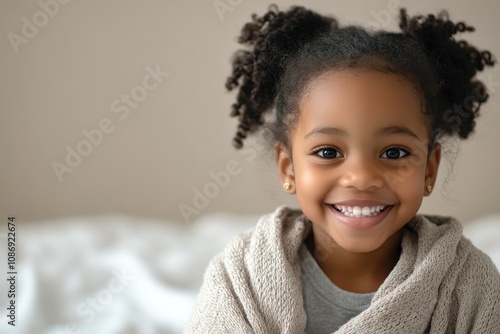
359,165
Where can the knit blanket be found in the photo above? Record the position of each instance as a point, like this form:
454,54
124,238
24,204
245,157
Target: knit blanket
441,284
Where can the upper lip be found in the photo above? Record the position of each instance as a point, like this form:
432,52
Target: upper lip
361,203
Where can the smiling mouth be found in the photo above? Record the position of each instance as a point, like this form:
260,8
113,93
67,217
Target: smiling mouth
360,211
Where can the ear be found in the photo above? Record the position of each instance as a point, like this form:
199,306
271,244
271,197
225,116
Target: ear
433,165
285,166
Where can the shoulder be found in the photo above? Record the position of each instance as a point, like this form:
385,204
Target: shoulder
470,278
451,228
438,225
478,288
284,228
254,262
475,270
282,222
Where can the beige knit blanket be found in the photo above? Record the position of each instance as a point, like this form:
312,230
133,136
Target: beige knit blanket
441,283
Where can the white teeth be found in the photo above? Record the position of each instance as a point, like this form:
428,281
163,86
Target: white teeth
358,211
365,211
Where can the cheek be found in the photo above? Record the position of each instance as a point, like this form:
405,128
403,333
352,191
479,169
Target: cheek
312,182
410,188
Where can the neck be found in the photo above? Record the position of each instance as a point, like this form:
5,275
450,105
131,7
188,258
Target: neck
356,272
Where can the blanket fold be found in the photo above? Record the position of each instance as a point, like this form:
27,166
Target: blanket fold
441,283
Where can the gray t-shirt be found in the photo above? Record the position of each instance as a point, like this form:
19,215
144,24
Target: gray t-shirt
327,306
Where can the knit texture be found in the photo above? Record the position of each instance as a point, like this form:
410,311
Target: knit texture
441,283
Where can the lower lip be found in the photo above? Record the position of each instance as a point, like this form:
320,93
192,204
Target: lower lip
361,222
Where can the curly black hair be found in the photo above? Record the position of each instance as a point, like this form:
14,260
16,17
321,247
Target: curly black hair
287,49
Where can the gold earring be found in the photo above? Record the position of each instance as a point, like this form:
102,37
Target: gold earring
287,186
428,189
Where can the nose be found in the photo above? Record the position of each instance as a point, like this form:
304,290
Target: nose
361,173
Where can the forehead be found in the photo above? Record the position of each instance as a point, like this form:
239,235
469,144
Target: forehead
360,99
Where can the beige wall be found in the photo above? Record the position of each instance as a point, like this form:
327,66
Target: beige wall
69,76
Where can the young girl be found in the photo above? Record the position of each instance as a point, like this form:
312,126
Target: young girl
357,134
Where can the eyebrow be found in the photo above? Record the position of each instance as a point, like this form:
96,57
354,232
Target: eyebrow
327,131
397,130
387,131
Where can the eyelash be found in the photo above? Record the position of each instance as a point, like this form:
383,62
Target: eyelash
321,148
402,148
